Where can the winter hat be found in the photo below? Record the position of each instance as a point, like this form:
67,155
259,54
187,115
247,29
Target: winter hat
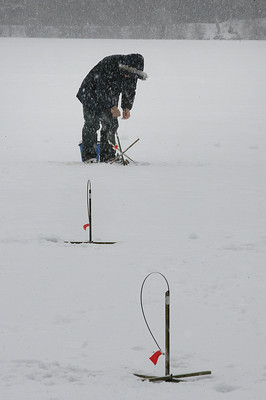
133,65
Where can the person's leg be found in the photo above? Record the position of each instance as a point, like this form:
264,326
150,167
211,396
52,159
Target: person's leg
108,131
89,133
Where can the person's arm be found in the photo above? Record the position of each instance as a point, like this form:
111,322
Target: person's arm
128,93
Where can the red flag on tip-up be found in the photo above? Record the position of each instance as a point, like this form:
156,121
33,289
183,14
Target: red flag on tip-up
85,226
155,356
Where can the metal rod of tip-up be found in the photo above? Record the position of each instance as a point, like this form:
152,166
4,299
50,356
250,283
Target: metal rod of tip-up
88,226
89,209
167,332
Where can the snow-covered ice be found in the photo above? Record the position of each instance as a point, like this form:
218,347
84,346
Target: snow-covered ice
193,209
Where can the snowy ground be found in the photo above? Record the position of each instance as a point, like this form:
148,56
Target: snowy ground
193,209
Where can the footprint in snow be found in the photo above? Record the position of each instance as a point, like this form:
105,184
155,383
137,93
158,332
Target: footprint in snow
225,388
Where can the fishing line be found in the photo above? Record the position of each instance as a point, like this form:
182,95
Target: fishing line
142,308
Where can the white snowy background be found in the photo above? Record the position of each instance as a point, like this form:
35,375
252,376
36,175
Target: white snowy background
193,209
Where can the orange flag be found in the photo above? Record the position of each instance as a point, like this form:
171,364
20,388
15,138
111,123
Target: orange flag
155,356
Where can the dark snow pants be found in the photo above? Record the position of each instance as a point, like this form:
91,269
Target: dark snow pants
93,122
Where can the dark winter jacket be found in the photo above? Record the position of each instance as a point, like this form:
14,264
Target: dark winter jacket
106,81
